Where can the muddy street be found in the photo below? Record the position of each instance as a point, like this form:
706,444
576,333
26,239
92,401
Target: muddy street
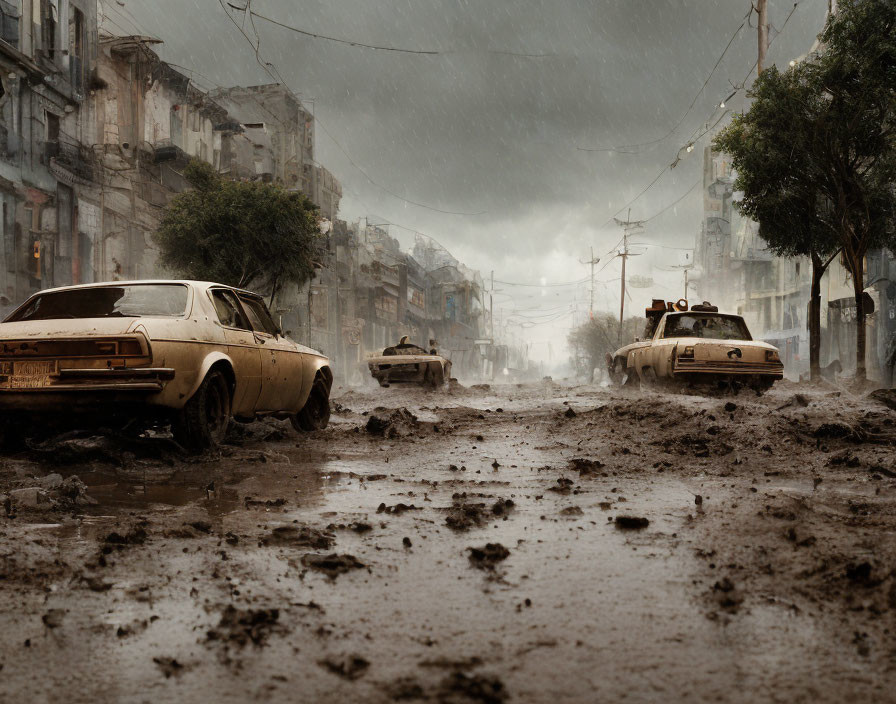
518,543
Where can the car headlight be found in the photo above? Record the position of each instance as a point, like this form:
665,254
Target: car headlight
686,353
772,356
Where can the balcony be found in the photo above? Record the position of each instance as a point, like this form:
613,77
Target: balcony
72,158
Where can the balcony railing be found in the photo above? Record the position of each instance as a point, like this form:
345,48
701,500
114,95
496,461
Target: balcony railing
71,157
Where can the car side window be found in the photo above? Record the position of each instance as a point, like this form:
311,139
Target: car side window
258,315
228,310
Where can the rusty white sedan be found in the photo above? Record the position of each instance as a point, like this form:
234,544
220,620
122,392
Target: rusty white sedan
194,352
697,347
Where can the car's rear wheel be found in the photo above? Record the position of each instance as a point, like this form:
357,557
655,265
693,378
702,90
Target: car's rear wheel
203,421
434,376
315,415
616,368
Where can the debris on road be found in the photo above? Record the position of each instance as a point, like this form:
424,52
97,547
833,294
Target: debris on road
631,522
331,565
487,557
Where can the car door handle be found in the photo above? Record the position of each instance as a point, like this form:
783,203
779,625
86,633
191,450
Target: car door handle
259,339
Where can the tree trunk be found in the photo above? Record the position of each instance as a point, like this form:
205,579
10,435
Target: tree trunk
858,285
818,269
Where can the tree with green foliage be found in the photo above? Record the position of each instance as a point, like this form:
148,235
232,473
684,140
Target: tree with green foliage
816,152
242,233
791,210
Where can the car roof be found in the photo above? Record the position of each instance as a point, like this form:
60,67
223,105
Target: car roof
202,285
702,312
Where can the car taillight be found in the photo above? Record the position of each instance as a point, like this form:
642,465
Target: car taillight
772,356
686,353
130,348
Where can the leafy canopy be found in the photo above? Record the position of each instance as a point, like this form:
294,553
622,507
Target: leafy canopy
771,147
246,234
816,152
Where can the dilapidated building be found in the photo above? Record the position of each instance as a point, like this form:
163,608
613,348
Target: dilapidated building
47,66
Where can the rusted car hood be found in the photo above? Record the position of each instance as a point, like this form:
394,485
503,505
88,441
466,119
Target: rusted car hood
396,359
83,327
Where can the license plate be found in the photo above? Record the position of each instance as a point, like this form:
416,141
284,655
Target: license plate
26,375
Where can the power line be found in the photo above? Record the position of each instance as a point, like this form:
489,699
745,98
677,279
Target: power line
314,35
676,202
271,70
625,147
692,139
376,47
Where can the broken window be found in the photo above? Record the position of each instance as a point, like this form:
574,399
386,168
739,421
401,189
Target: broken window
258,314
49,13
52,134
9,23
228,308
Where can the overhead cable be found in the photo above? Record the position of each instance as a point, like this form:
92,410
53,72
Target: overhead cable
625,147
362,45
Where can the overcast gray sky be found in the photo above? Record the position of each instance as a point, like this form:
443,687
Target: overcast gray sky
478,128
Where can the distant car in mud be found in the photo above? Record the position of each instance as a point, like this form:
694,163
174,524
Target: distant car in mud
194,353
405,363
696,346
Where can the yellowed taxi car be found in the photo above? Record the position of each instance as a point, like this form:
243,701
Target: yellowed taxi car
696,345
407,363
199,353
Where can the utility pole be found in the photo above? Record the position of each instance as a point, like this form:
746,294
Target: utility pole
627,227
762,11
592,261
491,307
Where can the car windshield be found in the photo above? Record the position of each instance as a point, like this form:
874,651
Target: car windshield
404,349
711,327
134,301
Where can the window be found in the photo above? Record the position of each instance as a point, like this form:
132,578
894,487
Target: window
258,315
228,309
76,48
710,327
49,15
52,127
9,23
137,301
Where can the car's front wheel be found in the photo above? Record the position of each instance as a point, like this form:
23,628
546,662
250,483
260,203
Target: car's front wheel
203,421
315,415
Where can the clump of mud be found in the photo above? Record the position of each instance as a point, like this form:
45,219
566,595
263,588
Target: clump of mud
331,565
242,626
472,688
488,556
631,522
586,467
136,535
463,515
350,667
398,423
50,492
397,509
299,536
